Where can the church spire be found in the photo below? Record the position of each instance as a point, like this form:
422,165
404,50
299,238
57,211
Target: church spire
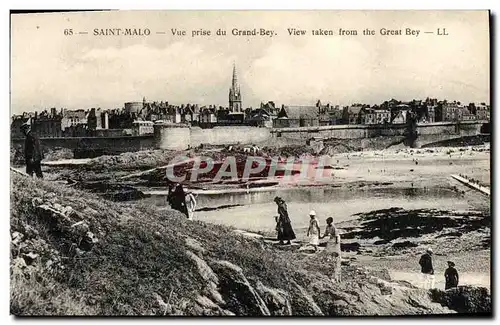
234,93
235,78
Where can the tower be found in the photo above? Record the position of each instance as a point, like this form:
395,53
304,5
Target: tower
234,94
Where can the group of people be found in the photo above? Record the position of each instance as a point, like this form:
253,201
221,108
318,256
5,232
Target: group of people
181,201
285,229
450,275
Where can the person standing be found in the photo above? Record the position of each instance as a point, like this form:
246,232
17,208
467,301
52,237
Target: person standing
32,152
177,199
331,231
313,231
284,224
190,205
427,269
451,276
333,250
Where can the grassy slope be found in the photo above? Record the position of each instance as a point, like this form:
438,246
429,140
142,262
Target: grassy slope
141,251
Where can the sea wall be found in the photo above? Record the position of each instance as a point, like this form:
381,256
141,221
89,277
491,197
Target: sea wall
180,137
172,136
93,146
426,132
223,135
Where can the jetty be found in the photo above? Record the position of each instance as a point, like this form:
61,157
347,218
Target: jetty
483,189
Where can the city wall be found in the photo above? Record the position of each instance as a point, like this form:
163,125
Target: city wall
427,133
92,146
178,137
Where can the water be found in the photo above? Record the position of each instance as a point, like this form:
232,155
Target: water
256,210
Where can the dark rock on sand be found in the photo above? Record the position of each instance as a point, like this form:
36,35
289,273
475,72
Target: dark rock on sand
464,299
404,244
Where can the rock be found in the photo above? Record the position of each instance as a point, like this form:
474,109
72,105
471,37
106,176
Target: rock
307,249
194,245
16,237
30,231
405,244
302,303
350,247
205,271
88,241
333,303
345,262
211,291
241,298
381,242
247,234
384,286
380,273
205,302
209,308
464,299
19,263
165,309
30,257
276,300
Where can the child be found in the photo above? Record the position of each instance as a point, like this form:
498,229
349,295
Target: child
451,276
331,246
313,230
330,229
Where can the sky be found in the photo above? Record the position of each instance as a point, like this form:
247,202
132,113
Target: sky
51,69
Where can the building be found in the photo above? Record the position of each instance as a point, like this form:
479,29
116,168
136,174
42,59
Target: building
353,114
235,94
190,114
430,117
48,125
15,125
462,113
174,114
134,107
376,116
447,111
483,112
142,127
323,113
400,117
208,115
45,124
336,116
296,116
260,117
71,118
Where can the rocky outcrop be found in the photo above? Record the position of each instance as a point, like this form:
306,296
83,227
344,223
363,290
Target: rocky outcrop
464,299
302,302
241,298
277,300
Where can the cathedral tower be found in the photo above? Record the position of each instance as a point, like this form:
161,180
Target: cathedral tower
234,94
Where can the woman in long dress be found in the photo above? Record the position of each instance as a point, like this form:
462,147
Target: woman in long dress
313,231
283,224
177,199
